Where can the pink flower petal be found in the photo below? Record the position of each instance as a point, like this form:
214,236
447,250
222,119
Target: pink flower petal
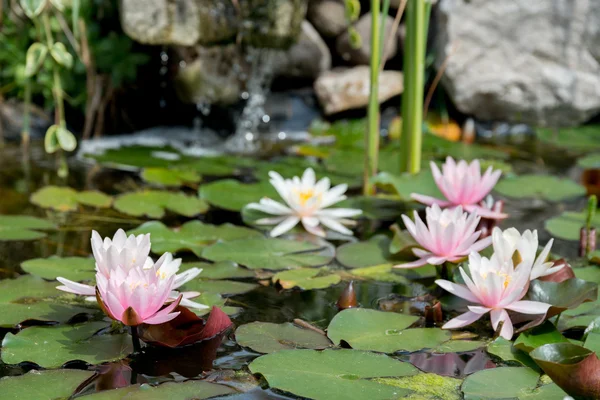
413,264
462,320
76,288
498,315
529,307
457,290
428,200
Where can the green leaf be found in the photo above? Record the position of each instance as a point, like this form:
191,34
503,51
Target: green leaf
153,203
547,187
66,199
33,8
170,176
192,389
499,383
61,55
382,273
305,278
564,295
43,385
51,347
233,195
427,386
406,184
505,350
220,270
66,139
51,140
36,54
539,336
591,161
223,287
459,346
274,254
59,4
23,227
193,235
582,138
265,337
568,224
592,342
352,8
73,268
332,374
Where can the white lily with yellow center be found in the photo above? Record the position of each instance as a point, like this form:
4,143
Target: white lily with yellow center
306,202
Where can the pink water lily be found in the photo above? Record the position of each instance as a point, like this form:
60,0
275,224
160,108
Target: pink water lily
463,185
450,235
494,286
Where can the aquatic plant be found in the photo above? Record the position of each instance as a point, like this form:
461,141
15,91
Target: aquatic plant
463,185
450,235
306,201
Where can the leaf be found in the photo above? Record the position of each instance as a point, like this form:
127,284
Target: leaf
192,389
23,227
58,4
153,203
33,8
332,374
36,54
43,385
374,207
568,224
574,368
591,161
547,187
592,342
404,185
382,273
170,176
265,337
61,55
273,254
505,350
459,346
305,278
233,195
66,140
51,140
499,383
402,242
222,287
193,235
427,386
538,336
220,270
66,199
582,138
73,268
51,347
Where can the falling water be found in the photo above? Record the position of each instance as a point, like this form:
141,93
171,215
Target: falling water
164,68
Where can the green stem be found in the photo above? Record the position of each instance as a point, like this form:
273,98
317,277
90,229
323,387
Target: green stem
372,134
26,115
385,8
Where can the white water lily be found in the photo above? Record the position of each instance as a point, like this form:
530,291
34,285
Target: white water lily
512,245
306,201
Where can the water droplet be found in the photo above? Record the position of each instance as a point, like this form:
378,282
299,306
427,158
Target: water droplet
266,118
182,64
245,95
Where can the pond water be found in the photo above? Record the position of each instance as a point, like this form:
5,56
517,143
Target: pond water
21,176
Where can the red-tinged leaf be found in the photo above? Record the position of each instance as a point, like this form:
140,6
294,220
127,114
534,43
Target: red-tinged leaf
348,297
562,274
216,323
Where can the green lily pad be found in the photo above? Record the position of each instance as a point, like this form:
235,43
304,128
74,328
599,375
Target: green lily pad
214,299
289,167
23,227
591,161
170,176
375,207
305,279
193,235
500,383
568,294
139,157
43,385
51,347
265,337
68,199
459,346
233,195
539,336
427,386
404,185
153,204
582,138
192,389
438,147
332,374
382,273
386,332
547,187
592,342
273,254
223,287
220,270
568,224
73,268
505,350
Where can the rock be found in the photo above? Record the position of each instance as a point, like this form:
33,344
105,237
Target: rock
345,89
328,16
308,58
11,120
271,23
361,56
535,62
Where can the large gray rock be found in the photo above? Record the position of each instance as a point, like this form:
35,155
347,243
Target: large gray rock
535,61
346,89
362,55
328,16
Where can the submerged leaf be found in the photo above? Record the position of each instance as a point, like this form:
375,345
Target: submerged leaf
265,337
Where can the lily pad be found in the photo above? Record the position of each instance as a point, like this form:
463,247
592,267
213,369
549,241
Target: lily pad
23,227
427,386
332,374
220,270
568,224
170,176
223,287
273,254
539,336
591,161
375,207
192,389
153,204
233,195
459,346
73,268
193,235
68,199
505,350
404,185
500,383
305,278
382,273
43,385
51,347
139,157
582,138
265,337
547,187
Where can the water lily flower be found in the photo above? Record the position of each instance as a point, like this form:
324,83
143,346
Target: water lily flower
494,286
511,245
130,253
463,185
449,235
306,201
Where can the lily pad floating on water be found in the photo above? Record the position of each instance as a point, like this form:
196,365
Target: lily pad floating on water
192,389
568,224
220,270
582,138
73,268
233,195
68,199
223,287
170,176
51,347
23,227
427,386
273,254
539,336
547,187
266,337
332,374
591,161
306,278
459,346
153,204
404,185
500,383
43,385
505,350
193,235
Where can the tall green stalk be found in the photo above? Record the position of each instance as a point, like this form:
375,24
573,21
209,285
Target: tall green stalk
417,23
